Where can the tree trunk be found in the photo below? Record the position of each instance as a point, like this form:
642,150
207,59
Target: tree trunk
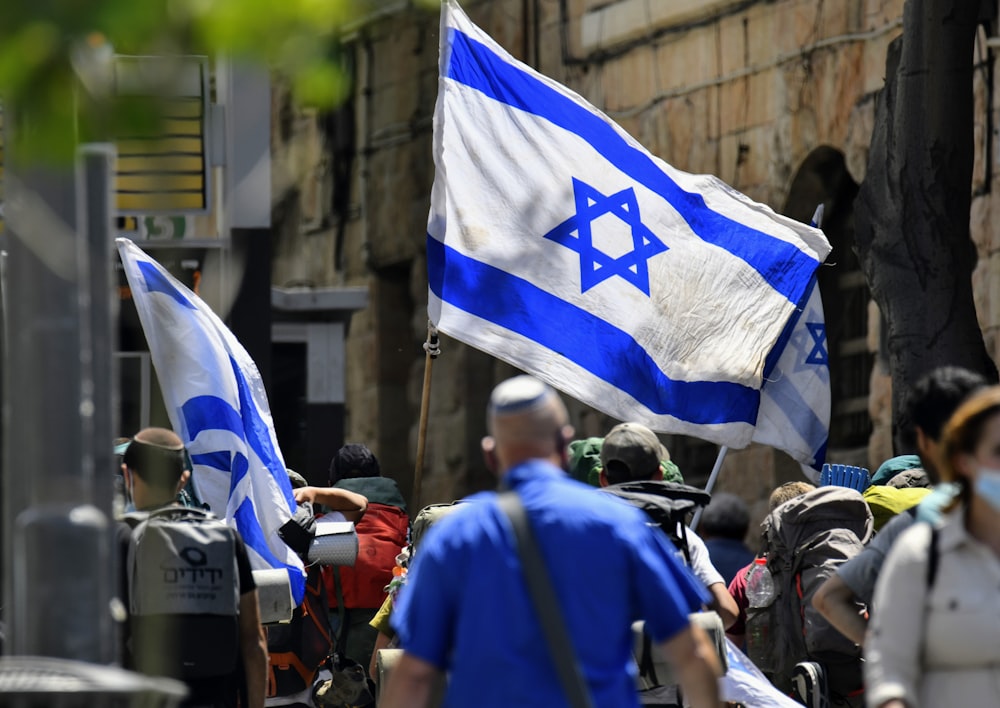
912,211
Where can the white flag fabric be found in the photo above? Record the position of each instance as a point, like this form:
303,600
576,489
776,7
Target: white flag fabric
559,244
217,405
745,684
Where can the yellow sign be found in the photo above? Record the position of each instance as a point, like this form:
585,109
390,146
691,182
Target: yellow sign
164,168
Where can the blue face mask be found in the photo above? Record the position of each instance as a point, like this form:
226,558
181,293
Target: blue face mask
987,486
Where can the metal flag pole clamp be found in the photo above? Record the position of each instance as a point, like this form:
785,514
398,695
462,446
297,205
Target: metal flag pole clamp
432,348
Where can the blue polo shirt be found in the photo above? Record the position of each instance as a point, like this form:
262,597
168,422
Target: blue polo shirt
466,610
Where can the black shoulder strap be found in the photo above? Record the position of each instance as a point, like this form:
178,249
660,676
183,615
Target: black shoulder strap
932,558
340,643
546,605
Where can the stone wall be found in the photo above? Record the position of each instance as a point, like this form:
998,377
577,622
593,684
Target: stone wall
744,91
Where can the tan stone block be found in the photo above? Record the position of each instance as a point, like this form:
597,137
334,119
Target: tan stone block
986,290
550,51
635,76
703,112
856,145
880,445
676,128
732,45
980,227
685,60
841,75
411,47
841,18
762,107
733,97
874,334
877,13
727,170
752,166
766,34
393,106
610,24
875,53
981,291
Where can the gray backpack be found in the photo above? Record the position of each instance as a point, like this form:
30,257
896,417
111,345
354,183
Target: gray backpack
805,540
183,588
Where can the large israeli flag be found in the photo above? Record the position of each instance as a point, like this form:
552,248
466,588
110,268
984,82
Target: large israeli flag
217,404
557,243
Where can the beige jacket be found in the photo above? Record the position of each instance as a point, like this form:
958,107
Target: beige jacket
939,647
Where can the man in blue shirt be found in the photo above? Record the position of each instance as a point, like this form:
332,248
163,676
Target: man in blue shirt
465,609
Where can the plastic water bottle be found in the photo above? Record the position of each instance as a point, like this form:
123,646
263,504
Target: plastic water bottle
760,584
760,595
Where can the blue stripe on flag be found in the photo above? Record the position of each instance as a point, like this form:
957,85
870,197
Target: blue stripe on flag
786,334
156,282
588,341
782,265
241,465
211,413
219,460
253,536
258,436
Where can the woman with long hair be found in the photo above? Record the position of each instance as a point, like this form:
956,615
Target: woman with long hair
934,639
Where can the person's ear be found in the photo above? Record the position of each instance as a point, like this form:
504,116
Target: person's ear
965,465
563,439
603,478
925,445
185,476
489,446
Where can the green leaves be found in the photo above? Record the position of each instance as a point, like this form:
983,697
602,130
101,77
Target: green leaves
53,53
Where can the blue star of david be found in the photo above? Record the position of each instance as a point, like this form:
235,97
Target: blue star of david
818,355
596,266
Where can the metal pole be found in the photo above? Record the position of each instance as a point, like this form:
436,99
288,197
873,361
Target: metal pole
723,449
432,349
99,386
55,526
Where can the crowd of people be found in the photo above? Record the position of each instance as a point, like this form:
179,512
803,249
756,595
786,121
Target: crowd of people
858,590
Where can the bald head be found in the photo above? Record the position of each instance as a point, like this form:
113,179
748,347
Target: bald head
156,455
527,420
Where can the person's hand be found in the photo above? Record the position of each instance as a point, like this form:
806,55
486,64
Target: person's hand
304,494
299,531
858,478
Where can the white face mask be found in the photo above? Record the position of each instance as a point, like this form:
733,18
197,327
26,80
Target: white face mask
987,486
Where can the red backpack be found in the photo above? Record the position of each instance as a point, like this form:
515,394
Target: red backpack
381,536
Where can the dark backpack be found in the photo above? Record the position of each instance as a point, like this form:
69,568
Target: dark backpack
298,649
667,505
805,540
183,589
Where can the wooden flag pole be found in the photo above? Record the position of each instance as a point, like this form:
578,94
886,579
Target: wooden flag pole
432,348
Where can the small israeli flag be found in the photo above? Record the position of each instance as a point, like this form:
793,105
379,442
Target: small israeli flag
558,244
217,405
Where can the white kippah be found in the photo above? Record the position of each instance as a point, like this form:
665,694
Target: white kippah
518,394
